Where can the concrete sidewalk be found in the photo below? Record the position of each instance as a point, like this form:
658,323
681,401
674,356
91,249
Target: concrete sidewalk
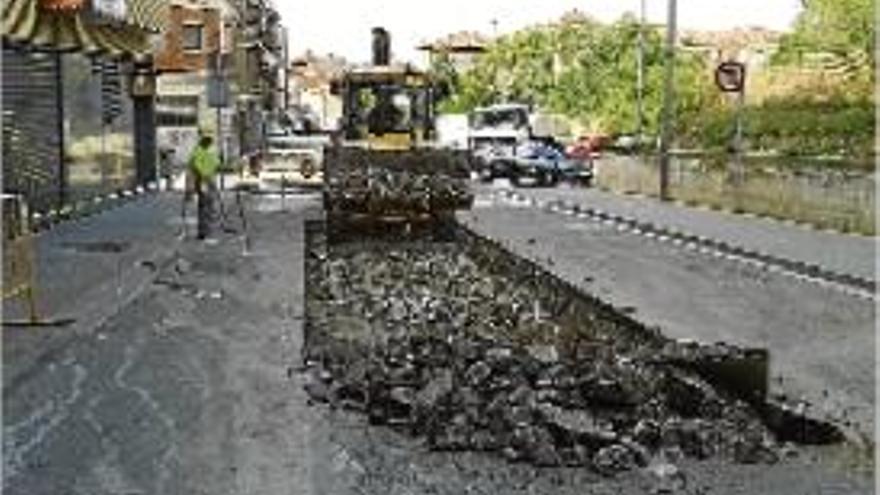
839,253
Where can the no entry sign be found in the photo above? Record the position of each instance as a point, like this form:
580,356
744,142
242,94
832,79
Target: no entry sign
730,76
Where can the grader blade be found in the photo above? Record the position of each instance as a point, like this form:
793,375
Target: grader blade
395,185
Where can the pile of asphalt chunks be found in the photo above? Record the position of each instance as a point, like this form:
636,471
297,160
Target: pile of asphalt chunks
424,339
384,190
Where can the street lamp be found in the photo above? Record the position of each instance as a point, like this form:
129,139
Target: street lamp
218,95
640,77
143,77
668,100
286,48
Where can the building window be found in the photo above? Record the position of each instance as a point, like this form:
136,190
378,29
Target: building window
192,37
177,111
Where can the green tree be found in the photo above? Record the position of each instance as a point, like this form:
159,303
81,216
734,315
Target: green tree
584,70
445,76
844,29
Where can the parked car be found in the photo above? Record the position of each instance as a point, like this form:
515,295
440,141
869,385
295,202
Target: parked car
588,146
545,163
277,130
493,161
576,172
288,161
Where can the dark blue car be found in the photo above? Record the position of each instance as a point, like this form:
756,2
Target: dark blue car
543,164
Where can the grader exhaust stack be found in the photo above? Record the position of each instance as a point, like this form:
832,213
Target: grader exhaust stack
381,47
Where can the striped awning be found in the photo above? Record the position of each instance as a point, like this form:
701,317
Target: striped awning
23,22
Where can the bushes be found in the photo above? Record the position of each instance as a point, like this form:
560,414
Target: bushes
793,127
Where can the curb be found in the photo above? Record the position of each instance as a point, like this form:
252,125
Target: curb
855,285
88,207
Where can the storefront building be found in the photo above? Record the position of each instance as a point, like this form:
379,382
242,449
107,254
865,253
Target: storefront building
77,100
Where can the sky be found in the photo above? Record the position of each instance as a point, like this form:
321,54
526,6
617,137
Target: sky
343,27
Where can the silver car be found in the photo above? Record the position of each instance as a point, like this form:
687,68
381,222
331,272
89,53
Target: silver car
292,161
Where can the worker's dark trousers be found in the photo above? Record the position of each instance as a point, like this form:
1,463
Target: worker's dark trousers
205,198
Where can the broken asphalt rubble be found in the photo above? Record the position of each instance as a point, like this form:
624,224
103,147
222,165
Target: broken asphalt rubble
470,355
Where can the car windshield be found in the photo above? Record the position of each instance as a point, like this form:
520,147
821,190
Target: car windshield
536,149
528,150
514,118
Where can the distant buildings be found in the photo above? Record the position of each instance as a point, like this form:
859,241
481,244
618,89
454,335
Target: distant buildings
309,87
95,90
76,99
752,46
240,39
191,41
462,49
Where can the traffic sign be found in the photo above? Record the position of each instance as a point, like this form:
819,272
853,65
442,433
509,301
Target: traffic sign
730,76
218,92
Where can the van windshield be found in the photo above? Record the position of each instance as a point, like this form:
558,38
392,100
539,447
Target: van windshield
514,118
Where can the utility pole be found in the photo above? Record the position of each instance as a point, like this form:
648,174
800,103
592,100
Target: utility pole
218,71
668,101
286,70
640,77
221,140
730,77
739,169
557,58
218,97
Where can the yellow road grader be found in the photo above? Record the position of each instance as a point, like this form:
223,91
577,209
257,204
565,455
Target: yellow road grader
384,165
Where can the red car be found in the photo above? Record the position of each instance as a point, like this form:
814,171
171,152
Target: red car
588,146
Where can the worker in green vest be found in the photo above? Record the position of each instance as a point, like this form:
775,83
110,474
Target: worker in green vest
202,165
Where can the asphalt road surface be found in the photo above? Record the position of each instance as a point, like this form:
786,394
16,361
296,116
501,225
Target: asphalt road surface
188,383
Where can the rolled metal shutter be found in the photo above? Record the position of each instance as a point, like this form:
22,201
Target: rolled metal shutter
32,137
111,92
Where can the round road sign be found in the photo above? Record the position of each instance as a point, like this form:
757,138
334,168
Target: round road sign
730,76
